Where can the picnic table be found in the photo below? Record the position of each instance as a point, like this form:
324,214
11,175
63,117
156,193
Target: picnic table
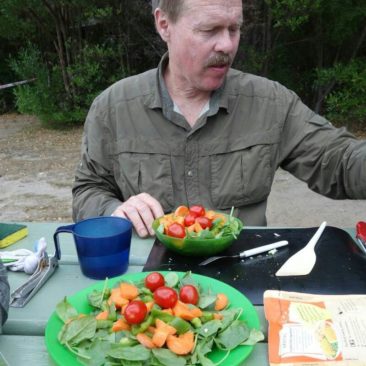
22,339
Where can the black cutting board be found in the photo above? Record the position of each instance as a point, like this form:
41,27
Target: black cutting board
340,267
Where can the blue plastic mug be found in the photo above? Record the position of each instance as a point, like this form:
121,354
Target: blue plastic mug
102,244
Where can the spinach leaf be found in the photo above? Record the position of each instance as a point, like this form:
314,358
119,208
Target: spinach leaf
167,357
65,310
255,336
94,354
135,353
206,299
204,361
233,336
209,328
78,330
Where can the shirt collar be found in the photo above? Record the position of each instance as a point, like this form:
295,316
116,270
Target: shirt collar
161,98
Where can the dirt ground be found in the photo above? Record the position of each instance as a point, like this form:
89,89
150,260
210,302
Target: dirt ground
37,170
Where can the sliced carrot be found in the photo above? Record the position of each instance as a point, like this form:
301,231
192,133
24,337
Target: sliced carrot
119,325
181,211
123,308
117,298
182,344
179,220
151,329
128,290
218,316
149,305
103,315
161,333
197,227
145,340
221,301
210,214
190,228
196,312
220,216
183,311
168,311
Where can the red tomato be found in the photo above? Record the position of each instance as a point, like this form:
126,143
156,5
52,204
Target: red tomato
135,312
189,219
154,280
165,297
188,294
176,230
204,221
197,210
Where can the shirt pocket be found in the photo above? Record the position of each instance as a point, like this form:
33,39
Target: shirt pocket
143,165
242,171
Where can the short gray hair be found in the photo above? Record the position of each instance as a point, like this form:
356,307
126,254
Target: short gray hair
173,8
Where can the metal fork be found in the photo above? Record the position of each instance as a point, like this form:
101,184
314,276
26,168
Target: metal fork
247,253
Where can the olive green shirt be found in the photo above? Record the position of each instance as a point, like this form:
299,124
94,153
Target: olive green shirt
135,141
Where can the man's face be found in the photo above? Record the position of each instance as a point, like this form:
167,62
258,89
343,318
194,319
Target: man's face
203,42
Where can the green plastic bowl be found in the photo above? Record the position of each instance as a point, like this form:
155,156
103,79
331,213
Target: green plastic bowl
195,246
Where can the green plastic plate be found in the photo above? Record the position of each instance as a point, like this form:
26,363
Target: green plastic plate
62,356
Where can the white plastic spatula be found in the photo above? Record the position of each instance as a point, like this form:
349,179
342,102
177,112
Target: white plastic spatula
302,262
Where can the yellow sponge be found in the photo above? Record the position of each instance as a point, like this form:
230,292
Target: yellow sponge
10,233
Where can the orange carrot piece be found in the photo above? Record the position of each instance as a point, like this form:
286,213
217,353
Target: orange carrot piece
116,298
181,211
119,325
128,290
197,227
103,315
183,311
149,305
145,340
221,301
181,345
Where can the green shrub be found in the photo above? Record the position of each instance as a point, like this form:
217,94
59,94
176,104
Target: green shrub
346,104
47,98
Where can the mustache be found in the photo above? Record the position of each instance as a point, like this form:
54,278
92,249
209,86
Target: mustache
219,59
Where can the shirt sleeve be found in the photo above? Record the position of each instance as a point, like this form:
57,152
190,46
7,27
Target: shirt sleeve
95,191
4,294
331,160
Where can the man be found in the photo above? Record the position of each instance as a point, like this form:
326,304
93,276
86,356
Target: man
195,131
4,295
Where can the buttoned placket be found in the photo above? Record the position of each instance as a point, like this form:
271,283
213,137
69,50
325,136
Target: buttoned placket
191,170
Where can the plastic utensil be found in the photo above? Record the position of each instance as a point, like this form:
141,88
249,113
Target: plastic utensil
247,253
361,235
302,262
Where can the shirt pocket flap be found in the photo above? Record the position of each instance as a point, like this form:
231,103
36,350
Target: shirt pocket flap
142,145
219,146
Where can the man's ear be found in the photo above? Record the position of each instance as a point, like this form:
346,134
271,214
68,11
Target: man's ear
162,24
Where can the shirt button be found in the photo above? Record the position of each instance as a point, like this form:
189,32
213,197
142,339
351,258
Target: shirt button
190,173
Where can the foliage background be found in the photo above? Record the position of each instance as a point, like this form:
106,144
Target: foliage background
77,48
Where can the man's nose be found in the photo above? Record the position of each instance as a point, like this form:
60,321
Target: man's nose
226,42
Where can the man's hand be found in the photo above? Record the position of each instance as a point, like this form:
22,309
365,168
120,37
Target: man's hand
141,210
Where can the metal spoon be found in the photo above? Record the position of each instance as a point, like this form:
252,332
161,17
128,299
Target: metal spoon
247,253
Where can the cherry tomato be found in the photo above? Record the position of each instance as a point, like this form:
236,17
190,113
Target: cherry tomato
135,312
176,230
197,210
205,222
165,297
189,219
154,280
188,294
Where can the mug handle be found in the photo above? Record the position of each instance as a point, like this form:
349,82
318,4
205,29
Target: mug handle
61,229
